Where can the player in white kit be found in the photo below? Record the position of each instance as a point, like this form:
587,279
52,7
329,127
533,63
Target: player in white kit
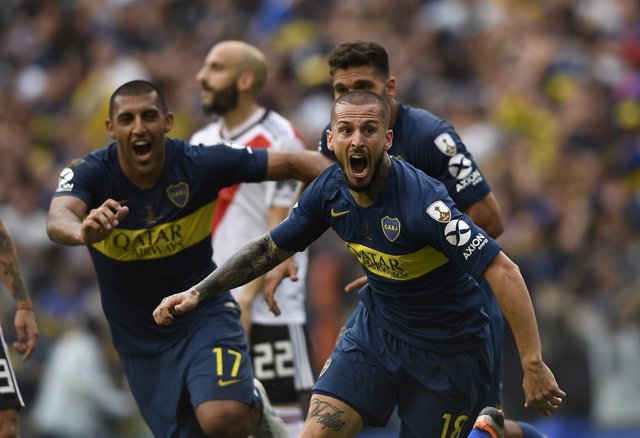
232,77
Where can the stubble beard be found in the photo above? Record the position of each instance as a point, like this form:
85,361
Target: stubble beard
224,100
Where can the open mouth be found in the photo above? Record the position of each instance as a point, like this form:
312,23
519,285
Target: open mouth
141,147
358,164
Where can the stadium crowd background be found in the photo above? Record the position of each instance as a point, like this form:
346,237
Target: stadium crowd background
545,93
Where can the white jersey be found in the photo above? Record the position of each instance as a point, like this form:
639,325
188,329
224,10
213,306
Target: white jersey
241,210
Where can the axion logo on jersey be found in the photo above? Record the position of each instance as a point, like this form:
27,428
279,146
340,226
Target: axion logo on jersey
457,232
474,178
178,194
446,144
460,166
439,211
64,180
390,227
477,243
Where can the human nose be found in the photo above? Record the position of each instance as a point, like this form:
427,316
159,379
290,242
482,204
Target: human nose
139,127
200,75
357,139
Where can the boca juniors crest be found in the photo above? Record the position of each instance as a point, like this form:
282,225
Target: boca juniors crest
390,227
178,194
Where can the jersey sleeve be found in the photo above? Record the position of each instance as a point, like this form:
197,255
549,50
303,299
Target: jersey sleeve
304,224
453,233
230,163
281,193
81,178
443,155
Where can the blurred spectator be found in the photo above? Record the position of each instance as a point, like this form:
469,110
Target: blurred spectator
552,85
79,395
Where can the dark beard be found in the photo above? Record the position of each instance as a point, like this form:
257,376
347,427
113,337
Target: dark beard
378,182
224,100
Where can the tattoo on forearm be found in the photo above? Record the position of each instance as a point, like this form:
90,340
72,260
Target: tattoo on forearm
254,259
10,271
328,415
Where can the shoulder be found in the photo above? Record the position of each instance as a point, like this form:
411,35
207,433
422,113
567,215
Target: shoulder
94,161
328,182
422,119
414,179
206,135
279,126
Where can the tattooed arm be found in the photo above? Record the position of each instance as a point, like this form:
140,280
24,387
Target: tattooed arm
251,261
25,319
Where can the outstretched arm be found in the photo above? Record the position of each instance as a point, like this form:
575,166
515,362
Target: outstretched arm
301,165
540,387
251,261
68,225
25,319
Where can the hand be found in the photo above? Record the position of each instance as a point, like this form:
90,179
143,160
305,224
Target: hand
26,330
175,304
273,278
541,389
101,221
356,284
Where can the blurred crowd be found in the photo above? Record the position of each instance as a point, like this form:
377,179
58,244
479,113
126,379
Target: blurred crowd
545,93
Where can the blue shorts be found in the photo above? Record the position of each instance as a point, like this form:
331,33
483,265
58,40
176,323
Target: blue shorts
496,325
212,363
436,394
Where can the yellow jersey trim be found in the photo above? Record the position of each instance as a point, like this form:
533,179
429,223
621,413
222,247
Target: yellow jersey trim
398,266
160,241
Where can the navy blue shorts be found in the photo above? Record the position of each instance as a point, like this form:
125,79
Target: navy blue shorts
212,363
436,394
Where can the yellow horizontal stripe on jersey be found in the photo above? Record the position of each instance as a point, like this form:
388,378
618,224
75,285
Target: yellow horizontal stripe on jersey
162,240
398,266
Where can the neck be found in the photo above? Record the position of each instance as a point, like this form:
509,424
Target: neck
144,181
238,116
369,196
393,113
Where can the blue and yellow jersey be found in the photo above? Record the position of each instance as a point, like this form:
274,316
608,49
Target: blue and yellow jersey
433,146
421,255
163,246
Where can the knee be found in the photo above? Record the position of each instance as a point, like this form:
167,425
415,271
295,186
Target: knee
9,424
225,419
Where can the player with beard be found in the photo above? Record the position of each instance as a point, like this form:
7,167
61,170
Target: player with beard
433,146
421,341
231,78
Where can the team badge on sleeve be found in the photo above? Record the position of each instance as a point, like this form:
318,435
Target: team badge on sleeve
446,144
439,211
64,180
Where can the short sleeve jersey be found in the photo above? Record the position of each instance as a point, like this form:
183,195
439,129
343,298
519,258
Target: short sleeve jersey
163,246
433,146
421,255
